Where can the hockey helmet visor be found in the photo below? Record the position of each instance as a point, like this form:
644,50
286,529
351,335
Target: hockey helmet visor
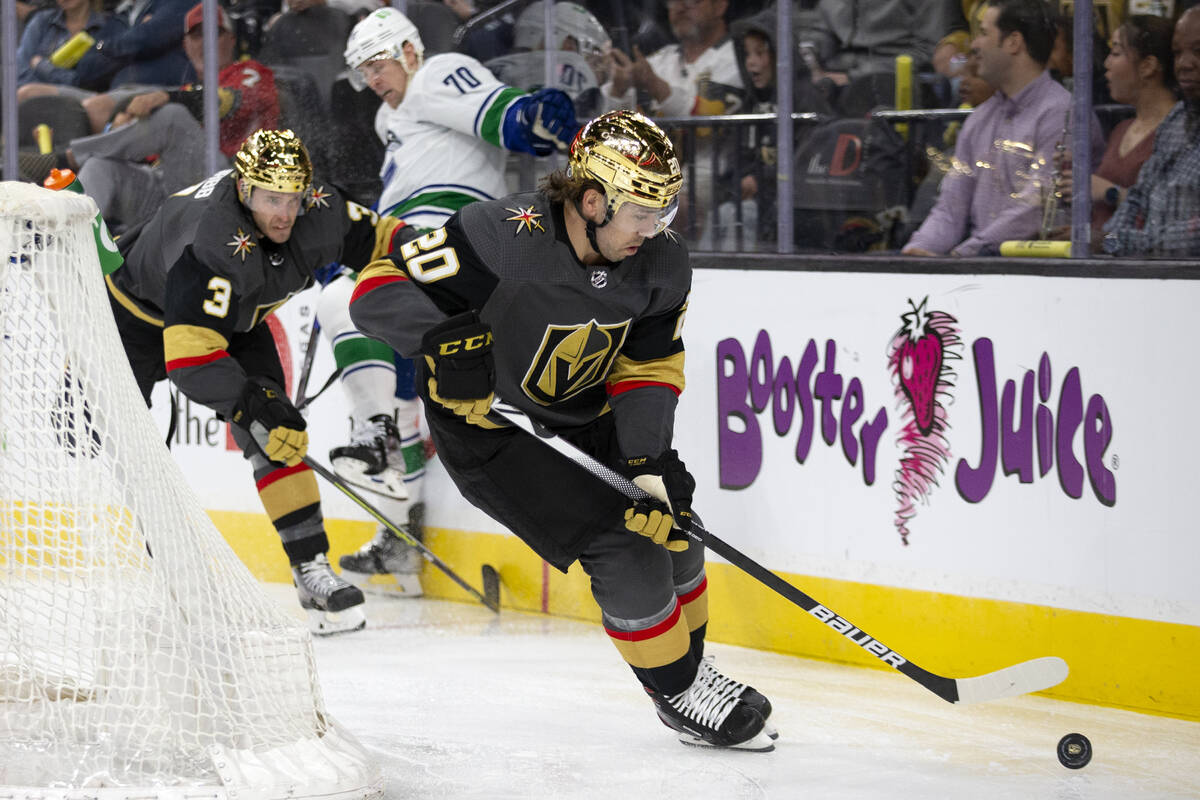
643,220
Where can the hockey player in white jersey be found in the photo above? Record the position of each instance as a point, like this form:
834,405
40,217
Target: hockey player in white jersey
447,124
581,53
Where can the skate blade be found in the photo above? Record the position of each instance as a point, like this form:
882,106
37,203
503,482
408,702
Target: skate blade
328,623
393,584
388,483
761,742
771,731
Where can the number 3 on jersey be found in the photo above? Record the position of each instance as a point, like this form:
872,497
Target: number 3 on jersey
218,304
427,260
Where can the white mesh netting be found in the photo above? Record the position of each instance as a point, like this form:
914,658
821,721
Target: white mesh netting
138,656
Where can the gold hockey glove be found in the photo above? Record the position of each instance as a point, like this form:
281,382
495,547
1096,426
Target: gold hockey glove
462,369
666,480
648,519
272,421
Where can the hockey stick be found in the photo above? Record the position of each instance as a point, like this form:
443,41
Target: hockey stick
302,399
483,16
310,353
1023,678
490,596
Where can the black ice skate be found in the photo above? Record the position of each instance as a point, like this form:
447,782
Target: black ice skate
716,711
388,555
333,605
372,460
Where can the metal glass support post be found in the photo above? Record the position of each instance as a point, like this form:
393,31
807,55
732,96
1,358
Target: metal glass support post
1081,129
8,86
784,174
212,116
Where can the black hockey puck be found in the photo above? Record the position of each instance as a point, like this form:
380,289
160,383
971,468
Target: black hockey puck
1074,750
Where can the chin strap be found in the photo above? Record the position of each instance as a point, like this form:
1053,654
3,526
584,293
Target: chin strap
590,227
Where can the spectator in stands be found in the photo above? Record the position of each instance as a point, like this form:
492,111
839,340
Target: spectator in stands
1140,72
145,54
972,92
148,53
674,79
754,181
698,75
858,37
1161,213
156,144
52,28
995,190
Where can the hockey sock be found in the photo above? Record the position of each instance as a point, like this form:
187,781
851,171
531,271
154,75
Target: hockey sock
290,497
660,655
693,598
368,374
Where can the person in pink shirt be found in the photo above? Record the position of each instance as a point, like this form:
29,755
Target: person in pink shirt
1004,156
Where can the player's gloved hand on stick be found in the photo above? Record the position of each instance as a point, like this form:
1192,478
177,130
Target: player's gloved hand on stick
549,119
462,368
274,423
666,480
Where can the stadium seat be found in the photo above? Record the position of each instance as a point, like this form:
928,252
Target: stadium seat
64,115
847,172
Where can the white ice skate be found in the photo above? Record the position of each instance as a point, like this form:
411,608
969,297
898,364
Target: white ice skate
372,460
333,605
387,565
716,711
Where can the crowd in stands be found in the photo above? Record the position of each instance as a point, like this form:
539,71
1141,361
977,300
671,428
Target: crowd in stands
91,69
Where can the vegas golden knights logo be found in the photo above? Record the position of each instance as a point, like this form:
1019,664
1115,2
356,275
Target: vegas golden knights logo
573,358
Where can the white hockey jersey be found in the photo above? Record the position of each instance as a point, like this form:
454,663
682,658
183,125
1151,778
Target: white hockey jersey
446,142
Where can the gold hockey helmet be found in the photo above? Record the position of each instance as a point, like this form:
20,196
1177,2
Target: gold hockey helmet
632,159
273,160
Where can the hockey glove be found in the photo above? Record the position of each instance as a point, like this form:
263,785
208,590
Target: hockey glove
272,421
666,480
548,117
461,366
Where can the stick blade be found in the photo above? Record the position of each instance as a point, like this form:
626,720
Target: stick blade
1019,679
491,587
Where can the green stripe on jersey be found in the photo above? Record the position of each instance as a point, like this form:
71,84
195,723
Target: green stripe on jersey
359,349
493,118
446,201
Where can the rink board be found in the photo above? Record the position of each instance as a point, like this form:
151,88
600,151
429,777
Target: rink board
1058,464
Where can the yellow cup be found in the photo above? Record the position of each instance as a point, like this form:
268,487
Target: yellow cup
72,50
1036,248
44,135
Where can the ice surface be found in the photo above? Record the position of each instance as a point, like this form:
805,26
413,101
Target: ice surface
457,702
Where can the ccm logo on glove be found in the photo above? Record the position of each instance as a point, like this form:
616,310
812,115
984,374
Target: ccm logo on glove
456,346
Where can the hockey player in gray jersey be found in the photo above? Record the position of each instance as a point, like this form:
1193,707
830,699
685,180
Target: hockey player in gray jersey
200,277
447,123
569,304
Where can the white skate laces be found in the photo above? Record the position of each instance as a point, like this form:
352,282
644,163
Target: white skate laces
333,605
717,711
710,698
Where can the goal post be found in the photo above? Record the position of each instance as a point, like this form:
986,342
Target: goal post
139,658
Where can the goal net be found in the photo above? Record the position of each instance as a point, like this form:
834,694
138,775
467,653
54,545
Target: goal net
138,656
